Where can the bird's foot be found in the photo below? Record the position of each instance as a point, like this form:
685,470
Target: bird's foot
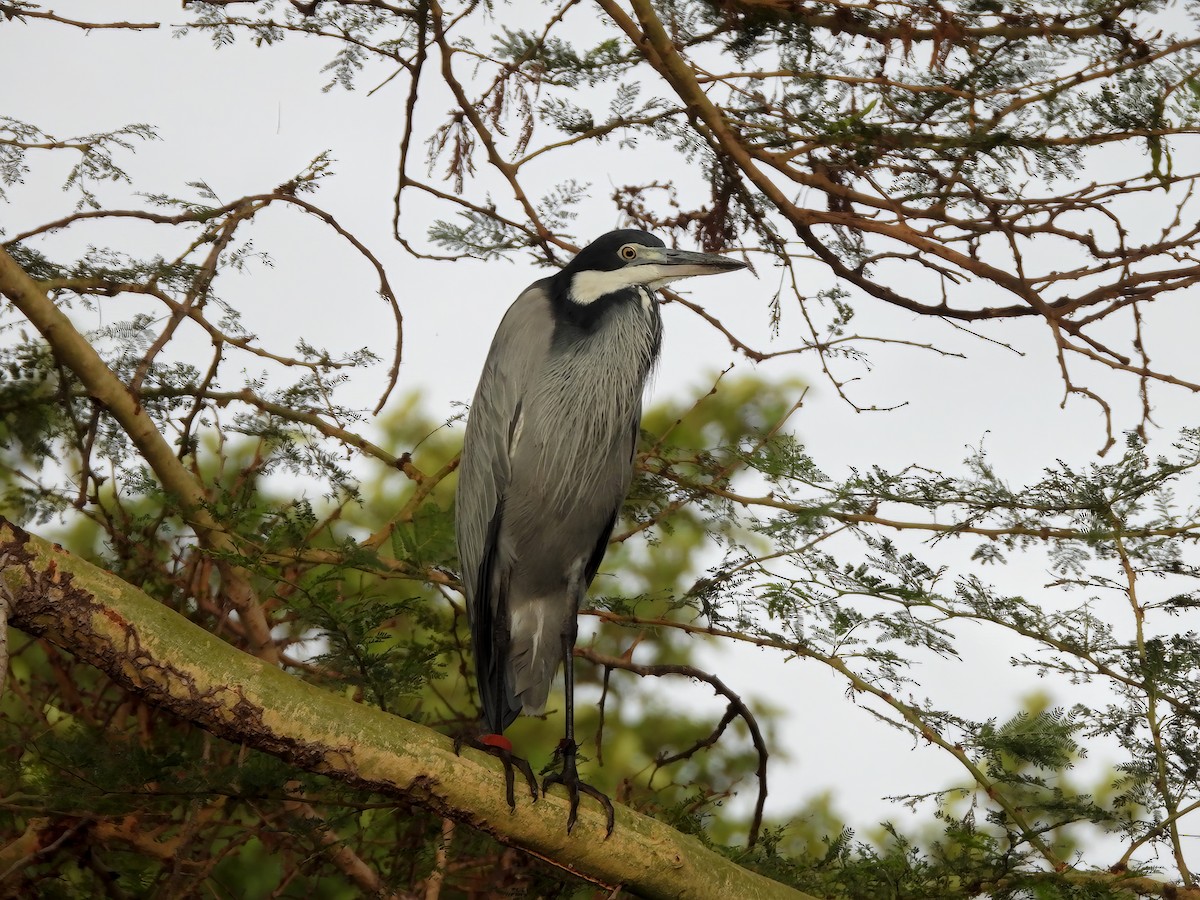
499,746
568,777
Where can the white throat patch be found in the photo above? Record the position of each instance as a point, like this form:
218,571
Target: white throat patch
588,287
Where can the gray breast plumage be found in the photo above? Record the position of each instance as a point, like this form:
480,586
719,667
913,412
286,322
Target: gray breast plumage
579,418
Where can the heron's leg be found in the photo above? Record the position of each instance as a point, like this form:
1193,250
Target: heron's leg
568,776
499,746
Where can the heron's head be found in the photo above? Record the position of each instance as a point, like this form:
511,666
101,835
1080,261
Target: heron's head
625,259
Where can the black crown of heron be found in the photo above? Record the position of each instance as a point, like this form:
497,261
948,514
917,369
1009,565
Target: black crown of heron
546,464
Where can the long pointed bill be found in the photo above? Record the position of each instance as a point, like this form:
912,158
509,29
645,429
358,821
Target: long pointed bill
671,265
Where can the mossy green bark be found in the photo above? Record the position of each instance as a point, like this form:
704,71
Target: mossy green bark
178,666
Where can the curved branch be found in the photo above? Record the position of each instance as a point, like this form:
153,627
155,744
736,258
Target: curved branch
736,708
171,663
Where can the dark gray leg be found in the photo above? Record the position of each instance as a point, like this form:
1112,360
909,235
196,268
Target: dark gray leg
568,776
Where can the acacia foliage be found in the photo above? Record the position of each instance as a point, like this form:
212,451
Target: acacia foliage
973,162
948,131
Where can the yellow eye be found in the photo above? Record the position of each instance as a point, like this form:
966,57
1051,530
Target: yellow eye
629,252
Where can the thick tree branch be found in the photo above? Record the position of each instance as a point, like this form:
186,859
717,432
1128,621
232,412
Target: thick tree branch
170,663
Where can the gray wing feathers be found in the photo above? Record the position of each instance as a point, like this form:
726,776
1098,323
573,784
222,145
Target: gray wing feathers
517,353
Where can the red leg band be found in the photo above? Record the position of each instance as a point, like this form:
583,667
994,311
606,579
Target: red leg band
496,740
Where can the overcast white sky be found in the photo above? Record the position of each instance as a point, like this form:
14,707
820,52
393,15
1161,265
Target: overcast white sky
244,120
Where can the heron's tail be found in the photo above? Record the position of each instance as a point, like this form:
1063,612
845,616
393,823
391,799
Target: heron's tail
536,650
490,639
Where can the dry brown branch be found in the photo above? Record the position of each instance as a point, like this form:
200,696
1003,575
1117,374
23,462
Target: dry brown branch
23,11
735,708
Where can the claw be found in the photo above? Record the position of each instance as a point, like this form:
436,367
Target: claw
500,747
568,777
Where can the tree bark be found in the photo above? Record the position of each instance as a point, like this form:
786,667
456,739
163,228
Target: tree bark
168,661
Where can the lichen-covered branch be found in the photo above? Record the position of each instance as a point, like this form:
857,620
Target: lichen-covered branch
170,663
